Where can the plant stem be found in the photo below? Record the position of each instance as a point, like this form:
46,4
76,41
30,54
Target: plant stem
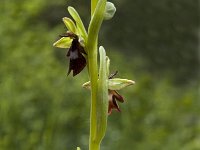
93,70
95,146
97,14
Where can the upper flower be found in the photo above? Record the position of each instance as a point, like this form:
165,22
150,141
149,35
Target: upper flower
74,40
76,54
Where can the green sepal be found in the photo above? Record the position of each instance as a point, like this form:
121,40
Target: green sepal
64,42
69,24
113,84
79,23
118,84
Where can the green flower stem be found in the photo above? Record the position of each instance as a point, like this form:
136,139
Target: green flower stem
93,70
91,46
94,146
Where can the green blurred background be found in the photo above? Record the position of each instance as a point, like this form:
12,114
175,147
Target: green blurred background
154,43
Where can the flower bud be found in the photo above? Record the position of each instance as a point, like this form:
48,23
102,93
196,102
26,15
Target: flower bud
109,11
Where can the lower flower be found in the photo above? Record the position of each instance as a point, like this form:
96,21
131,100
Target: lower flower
114,97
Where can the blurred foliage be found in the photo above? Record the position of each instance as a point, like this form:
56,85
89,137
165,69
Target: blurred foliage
153,43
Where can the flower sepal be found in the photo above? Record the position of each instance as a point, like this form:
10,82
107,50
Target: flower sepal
70,24
118,83
113,84
64,42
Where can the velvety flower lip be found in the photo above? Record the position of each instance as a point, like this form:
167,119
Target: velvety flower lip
113,97
75,53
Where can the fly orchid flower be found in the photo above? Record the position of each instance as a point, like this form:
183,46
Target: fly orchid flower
77,60
74,40
114,84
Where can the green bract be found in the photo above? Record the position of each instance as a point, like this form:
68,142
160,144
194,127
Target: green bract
102,97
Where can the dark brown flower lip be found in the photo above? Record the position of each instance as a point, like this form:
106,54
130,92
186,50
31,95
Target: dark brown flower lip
114,96
113,105
76,54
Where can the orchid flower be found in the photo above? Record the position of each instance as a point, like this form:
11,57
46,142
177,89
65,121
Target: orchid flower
74,40
114,84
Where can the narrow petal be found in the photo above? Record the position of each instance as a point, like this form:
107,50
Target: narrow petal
112,75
